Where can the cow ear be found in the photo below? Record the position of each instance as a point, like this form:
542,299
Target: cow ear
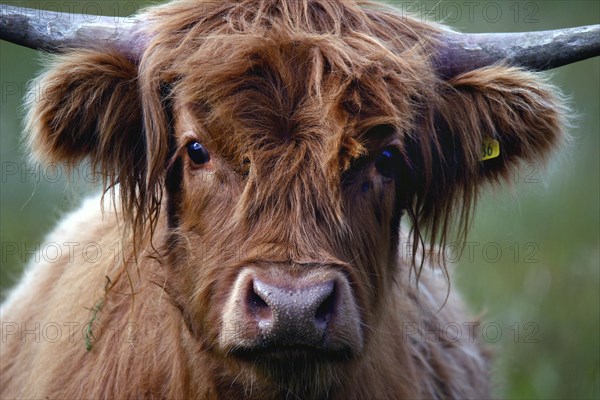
87,105
495,119
516,109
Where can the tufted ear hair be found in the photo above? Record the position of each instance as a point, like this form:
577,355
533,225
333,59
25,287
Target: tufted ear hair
518,109
88,105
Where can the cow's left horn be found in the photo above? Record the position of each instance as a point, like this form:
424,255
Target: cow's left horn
462,52
55,32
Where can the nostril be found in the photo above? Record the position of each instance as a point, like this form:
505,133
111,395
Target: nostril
257,305
326,309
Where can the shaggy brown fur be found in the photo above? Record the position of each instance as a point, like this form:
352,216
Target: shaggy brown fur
294,100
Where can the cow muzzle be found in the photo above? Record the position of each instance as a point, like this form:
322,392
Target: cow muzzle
272,312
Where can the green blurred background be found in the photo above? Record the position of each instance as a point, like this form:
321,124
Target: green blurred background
531,265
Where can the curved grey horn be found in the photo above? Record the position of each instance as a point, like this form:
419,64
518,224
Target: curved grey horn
462,52
55,32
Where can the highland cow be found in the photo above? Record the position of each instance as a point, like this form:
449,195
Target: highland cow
259,159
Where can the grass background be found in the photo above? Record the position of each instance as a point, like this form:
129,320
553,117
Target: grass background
532,261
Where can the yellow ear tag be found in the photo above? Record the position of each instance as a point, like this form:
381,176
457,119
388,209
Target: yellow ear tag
490,148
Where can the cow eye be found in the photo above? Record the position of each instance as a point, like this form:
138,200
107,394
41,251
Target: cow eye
387,163
198,153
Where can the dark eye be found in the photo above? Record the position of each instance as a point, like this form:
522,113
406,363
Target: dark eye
387,163
198,153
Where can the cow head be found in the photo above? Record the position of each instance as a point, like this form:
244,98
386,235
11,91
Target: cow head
271,150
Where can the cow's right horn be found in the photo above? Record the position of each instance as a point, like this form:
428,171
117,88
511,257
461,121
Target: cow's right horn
56,32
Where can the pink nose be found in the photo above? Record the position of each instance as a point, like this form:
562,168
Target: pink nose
279,311
292,316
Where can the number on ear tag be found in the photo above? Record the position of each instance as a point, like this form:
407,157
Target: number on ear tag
490,148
